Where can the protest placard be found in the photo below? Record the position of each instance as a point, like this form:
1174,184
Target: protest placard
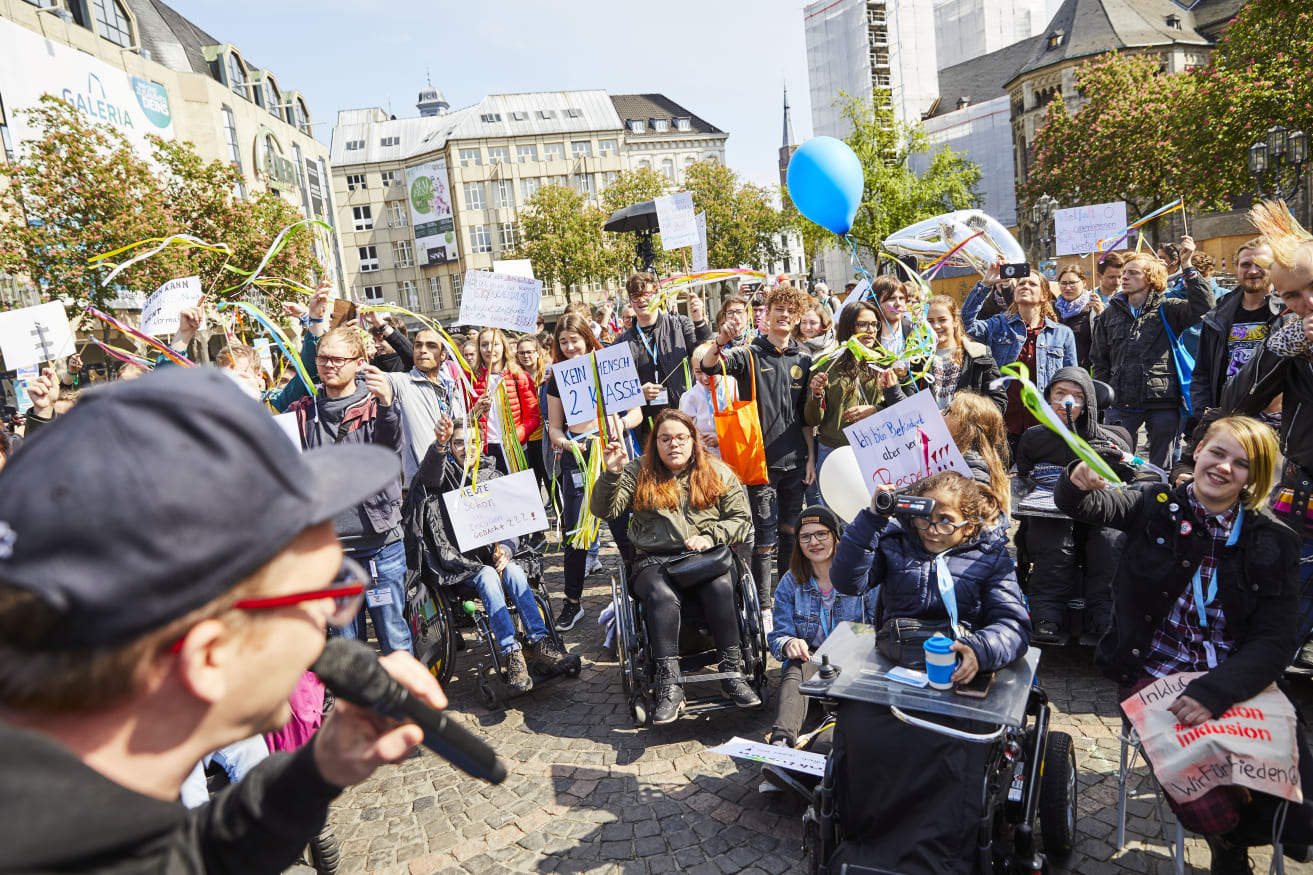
675,220
32,335
621,387
1078,230
862,289
264,350
287,422
574,382
504,508
1251,744
500,300
775,755
513,267
160,314
904,443
700,247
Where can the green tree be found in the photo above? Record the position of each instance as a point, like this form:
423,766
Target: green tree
1126,142
1260,74
562,236
895,195
743,225
632,187
80,190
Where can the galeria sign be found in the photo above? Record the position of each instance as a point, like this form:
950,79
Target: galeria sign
503,508
499,300
620,387
904,443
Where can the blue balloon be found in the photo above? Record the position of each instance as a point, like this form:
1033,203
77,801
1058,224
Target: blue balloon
826,182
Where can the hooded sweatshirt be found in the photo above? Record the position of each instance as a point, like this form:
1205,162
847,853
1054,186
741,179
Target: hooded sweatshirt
1042,454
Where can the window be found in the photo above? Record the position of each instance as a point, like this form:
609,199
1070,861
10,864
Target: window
689,162
660,125
637,126
583,184
545,114
374,293
556,180
609,178
435,292
1174,22
389,177
410,294
354,180
272,99
683,124
572,112
498,154
355,145
581,148
508,234
490,117
608,147
503,194
474,196
385,142
403,253
364,218
480,239
1055,39
471,158
236,75
644,164
554,151
519,116
112,22
526,153
230,137
397,215
668,168
456,281
302,118
368,259
529,187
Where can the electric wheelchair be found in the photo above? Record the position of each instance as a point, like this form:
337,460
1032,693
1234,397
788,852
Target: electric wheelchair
697,651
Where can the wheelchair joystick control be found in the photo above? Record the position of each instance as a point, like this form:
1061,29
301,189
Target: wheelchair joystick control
827,672
469,607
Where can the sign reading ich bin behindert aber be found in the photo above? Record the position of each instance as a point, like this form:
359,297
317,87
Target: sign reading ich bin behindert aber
500,300
904,443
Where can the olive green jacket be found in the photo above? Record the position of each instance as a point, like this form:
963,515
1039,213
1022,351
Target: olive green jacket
842,392
728,521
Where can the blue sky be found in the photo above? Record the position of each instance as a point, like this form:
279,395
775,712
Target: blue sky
726,60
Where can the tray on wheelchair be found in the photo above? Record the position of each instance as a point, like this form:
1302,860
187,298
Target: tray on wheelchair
863,677
1037,502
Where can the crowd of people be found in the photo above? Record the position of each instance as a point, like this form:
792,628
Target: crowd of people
388,421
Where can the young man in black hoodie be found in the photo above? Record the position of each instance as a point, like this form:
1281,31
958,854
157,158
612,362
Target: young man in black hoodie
1054,544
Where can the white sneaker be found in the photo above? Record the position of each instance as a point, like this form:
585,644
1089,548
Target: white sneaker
594,565
768,787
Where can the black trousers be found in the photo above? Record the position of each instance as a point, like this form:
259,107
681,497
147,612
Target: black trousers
791,711
661,601
1053,546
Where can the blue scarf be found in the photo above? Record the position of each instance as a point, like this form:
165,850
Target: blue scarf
1066,309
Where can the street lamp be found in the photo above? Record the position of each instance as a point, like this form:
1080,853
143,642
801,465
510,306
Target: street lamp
1041,215
1281,150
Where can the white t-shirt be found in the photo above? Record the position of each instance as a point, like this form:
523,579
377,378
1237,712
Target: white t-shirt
696,402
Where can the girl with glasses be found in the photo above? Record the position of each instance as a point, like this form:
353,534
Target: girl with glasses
1077,306
530,359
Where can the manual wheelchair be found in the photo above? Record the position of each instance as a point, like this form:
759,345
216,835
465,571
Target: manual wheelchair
697,651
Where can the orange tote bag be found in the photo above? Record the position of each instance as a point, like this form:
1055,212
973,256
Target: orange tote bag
738,428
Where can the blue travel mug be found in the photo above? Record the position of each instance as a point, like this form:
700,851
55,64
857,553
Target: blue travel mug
940,662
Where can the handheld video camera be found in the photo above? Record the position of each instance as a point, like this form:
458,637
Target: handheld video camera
910,505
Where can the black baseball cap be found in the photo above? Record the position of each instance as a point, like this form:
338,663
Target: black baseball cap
153,497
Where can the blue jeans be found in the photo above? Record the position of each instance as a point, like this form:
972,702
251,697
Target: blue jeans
237,759
1162,423
494,603
387,564
812,495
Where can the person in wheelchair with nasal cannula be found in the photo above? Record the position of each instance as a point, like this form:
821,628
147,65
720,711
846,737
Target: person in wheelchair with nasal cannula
906,797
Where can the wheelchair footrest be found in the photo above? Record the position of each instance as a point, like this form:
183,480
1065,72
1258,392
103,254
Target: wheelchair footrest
716,676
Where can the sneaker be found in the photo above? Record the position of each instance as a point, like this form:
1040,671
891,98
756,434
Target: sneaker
768,787
550,658
569,616
517,672
1047,632
1304,659
594,565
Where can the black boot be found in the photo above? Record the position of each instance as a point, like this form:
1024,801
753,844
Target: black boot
670,693
731,659
1228,858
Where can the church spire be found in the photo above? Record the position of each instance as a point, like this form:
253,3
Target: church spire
788,122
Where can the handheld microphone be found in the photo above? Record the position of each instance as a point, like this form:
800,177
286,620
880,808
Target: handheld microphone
351,671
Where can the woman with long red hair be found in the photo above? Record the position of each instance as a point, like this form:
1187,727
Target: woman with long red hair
681,499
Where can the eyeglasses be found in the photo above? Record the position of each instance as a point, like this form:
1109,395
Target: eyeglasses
1069,283
814,537
866,326
347,592
677,440
940,527
333,361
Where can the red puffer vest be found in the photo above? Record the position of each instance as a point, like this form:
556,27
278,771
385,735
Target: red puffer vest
523,398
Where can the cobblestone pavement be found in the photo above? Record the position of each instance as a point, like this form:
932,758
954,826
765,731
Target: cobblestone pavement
588,792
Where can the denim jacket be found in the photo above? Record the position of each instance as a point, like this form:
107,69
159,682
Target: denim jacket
797,612
1055,348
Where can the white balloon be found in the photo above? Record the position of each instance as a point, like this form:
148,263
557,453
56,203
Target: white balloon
842,485
933,237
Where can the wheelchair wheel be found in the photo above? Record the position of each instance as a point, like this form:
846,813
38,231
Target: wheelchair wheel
324,852
434,637
1057,796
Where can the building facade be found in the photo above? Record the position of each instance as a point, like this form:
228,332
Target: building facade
967,29
476,168
138,66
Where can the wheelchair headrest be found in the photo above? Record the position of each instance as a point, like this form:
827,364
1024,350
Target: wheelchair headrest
1104,396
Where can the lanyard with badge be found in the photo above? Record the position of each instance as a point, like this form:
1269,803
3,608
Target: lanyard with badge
664,396
1200,601
947,592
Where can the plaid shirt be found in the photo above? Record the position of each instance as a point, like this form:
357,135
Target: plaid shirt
1181,644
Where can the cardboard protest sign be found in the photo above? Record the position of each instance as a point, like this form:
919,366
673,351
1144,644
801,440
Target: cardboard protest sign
621,387
513,266
700,247
1251,745
160,314
675,220
774,754
504,508
500,300
1077,231
287,422
904,443
574,381
32,335
860,291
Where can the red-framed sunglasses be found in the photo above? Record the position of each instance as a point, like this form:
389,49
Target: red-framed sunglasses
347,592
